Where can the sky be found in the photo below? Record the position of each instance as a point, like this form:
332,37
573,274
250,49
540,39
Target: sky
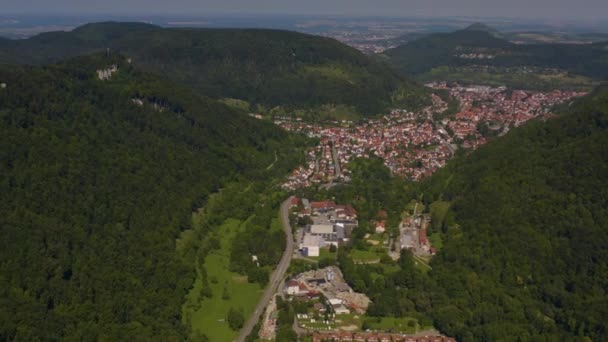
546,9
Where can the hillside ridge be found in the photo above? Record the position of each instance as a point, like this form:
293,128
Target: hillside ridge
266,68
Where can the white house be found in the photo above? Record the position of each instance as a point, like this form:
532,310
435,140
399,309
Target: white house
292,288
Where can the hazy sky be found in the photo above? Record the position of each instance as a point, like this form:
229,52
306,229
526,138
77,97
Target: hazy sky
558,9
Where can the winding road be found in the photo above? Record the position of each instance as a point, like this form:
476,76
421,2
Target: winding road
277,276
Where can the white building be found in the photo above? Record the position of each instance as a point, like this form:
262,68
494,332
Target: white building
341,310
335,301
311,251
311,244
407,241
292,288
321,229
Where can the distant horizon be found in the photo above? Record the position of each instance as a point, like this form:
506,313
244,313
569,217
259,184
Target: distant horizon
466,20
300,14
587,10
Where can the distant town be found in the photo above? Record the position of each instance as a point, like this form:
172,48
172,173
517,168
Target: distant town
416,144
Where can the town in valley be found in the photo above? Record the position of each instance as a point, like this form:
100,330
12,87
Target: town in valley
416,144
413,145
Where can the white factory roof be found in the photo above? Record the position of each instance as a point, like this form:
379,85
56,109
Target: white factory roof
312,241
321,229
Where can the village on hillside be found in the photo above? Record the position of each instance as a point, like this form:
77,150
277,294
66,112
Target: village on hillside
416,144
412,145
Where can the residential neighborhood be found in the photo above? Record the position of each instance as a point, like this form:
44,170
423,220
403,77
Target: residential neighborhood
416,144
412,145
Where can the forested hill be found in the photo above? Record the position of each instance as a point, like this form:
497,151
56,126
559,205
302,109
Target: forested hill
477,46
525,250
97,180
263,67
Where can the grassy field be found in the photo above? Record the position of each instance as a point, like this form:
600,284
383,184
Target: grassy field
276,225
324,253
208,317
421,264
378,238
435,240
371,256
406,325
236,103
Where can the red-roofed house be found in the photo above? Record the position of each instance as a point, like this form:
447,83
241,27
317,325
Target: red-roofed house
294,202
292,287
384,337
346,212
323,205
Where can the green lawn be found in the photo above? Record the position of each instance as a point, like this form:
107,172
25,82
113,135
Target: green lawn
324,253
371,256
435,240
396,324
209,317
276,224
378,237
421,264
438,211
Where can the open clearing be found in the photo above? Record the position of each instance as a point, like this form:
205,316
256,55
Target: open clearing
209,318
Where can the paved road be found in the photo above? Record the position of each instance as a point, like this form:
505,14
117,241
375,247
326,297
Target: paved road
277,276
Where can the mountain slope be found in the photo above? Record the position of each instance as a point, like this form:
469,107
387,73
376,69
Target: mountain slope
264,67
484,28
526,239
475,47
97,180
438,49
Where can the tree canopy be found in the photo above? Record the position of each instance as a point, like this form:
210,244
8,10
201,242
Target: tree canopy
266,68
97,180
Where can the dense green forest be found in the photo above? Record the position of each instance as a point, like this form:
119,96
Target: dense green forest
529,254
424,57
525,238
97,180
266,68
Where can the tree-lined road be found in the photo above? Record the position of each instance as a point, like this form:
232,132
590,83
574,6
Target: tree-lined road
277,276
